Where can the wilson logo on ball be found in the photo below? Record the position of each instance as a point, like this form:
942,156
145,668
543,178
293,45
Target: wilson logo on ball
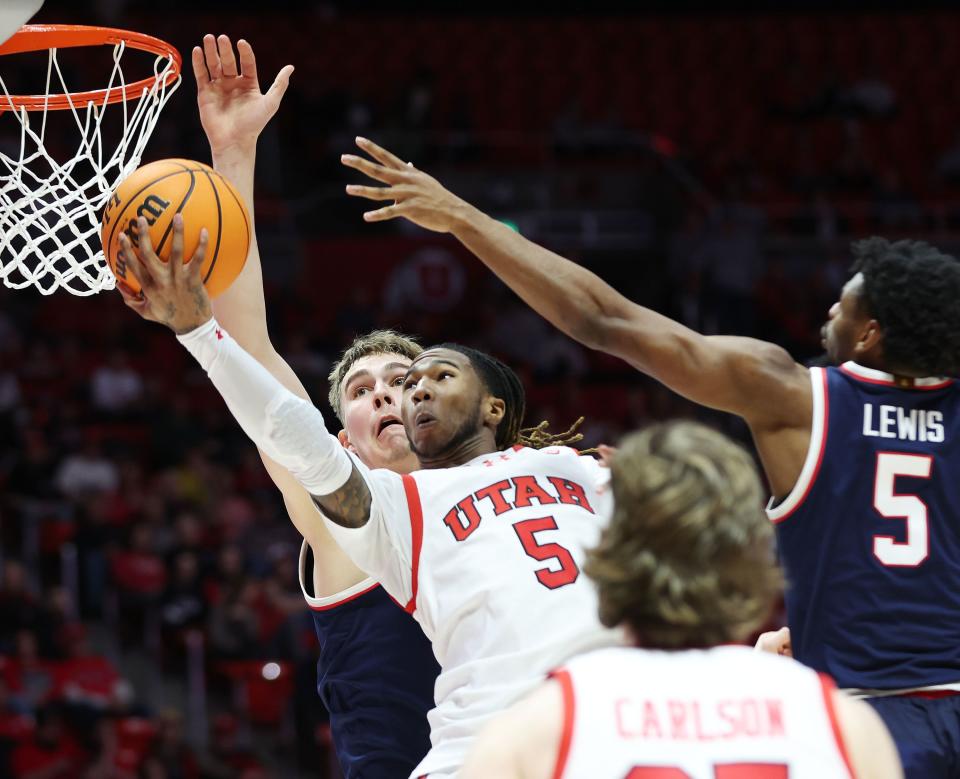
161,189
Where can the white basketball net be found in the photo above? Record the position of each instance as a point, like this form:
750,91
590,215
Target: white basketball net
50,210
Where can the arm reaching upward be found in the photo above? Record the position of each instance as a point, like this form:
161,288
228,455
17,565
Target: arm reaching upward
234,112
756,380
739,375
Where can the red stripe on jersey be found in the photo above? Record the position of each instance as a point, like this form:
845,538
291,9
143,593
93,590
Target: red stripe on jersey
569,707
889,383
828,688
328,606
416,536
823,449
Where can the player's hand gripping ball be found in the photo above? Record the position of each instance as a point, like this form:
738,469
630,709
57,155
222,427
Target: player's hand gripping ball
161,189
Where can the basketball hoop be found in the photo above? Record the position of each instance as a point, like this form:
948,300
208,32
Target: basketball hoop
50,210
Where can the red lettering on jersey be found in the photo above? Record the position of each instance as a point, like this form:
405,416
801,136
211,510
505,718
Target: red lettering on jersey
495,493
750,721
723,709
464,510
775,718
678,719
651,725
571,493
698,730
527,490
620,717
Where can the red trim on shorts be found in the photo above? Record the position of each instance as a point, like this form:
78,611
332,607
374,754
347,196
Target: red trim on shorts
823,448
569,707
828,688
416,534
328,606
929,694
517,447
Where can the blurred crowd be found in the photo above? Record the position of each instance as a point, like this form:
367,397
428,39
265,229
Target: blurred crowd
151,623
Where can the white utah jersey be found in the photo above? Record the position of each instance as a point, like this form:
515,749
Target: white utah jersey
723,713
487,557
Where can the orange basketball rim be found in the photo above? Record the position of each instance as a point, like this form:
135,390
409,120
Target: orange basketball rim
42,37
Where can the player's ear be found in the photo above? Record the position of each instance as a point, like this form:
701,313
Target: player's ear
870,337
344,440
493,410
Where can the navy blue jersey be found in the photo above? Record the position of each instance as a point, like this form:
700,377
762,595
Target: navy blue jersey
375,676
870,535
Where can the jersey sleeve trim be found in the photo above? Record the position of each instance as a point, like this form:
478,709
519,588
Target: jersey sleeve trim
337,598
871,376
818,445
827,687
416,537
562,676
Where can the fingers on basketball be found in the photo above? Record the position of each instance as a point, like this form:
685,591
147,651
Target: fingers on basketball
132,259
193,268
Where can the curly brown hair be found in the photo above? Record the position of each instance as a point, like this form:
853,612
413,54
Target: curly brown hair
687,559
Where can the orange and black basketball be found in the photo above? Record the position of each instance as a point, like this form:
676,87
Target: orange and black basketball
161,189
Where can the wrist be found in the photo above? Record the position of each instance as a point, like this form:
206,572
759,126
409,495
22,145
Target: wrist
465,218
235,155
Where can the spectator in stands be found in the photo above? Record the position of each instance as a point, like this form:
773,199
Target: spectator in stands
87,472
33,679
230,572
183,605
234,625
139,576
169,757
115,387
52,752
19,608
31,477
225,758
89,684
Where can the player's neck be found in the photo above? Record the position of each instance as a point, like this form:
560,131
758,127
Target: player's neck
462,452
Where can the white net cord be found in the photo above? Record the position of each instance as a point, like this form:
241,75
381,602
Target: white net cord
50,211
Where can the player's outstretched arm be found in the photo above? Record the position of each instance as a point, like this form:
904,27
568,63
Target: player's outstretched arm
754,379
234,112
522,742
868,742
290,430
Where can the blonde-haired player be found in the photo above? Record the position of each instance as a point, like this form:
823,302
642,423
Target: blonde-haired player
686,565
376,671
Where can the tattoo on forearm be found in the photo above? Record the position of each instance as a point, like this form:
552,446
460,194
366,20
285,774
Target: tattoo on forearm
350,505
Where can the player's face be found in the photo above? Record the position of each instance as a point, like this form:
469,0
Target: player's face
442,398
845,321
370,397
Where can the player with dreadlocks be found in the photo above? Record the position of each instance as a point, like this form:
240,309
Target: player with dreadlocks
861,456
483,545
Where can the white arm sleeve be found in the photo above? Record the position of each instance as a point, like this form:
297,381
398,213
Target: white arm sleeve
288,429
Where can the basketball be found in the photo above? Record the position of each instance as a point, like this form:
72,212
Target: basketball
161,189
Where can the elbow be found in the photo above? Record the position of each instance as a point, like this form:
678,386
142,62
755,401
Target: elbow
595,331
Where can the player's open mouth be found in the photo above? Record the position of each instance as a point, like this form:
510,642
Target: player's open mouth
386,423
